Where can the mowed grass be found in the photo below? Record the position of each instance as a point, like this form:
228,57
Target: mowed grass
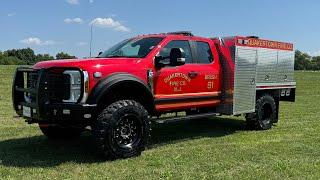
198,149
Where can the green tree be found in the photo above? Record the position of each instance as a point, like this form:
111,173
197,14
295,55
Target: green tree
43,57
11,60
63,55
316,63
26,54
302,61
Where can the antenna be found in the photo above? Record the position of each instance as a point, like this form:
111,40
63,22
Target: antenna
91,40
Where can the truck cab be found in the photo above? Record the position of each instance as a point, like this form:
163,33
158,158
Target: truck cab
120,92
195,83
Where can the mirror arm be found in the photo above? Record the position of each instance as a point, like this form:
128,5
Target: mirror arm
157,62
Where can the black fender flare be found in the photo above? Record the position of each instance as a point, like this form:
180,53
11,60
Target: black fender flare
105,85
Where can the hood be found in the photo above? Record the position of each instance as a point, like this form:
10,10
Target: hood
85,63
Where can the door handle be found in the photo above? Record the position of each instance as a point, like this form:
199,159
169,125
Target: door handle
192,74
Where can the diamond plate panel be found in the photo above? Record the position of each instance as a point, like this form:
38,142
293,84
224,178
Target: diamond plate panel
245,78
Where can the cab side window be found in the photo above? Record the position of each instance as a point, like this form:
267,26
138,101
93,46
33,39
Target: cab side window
204,53
130,50
165,51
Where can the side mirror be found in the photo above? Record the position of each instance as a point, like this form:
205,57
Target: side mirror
158,63
177,57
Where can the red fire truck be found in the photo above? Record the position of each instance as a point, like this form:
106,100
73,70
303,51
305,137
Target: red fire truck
138,80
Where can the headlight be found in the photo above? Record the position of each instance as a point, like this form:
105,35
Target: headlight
75,85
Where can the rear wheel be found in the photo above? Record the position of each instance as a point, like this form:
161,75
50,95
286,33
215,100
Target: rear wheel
265,114
60,132
122,130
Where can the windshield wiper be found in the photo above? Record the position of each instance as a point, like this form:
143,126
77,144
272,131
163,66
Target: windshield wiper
114,56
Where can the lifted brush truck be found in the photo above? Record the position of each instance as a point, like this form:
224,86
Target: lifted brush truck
120,92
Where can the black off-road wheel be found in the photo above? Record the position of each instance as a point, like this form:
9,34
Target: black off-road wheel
60,132
122,130
265,114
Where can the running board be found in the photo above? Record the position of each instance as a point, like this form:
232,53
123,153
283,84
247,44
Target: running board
183,118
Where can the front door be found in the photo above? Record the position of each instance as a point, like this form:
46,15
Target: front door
181,87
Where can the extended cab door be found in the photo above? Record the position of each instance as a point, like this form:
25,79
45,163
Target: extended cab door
207,67
192,85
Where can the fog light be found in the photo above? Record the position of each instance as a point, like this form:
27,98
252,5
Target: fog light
87,116
66,111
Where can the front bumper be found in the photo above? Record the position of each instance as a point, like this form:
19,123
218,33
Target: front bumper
39,109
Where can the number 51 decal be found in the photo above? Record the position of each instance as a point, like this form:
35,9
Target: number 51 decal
210,85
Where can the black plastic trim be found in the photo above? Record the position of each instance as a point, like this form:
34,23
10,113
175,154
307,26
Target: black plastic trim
40,103
105,85
291,97
194,53
185,99
70,68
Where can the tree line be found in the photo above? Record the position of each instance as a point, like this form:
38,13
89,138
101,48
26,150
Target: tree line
304,61
26,56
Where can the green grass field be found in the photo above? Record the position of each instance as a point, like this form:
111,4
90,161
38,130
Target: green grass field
199,149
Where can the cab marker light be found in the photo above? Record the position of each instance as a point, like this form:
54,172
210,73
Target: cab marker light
97,75
86,86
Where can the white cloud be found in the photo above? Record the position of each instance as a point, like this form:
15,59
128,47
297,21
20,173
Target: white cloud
73,2
74,20
37,42
105,22
122,29
109,23
12,14
317,53
49,42
31,41
82,44
91,1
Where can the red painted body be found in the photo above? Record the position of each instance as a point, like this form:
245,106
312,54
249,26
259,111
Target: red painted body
179,85
195,86
106,66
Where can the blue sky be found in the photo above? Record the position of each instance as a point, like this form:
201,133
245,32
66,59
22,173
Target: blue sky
51,26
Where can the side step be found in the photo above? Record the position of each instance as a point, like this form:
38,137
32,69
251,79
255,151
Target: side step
166,120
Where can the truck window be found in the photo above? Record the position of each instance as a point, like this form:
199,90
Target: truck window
204,53
132,48
165,51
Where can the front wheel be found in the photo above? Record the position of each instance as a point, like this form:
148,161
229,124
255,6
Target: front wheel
122,130
265,114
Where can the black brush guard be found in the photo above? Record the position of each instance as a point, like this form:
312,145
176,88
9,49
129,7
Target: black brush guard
31,90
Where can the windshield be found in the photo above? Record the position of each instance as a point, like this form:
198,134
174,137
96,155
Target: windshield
135,48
